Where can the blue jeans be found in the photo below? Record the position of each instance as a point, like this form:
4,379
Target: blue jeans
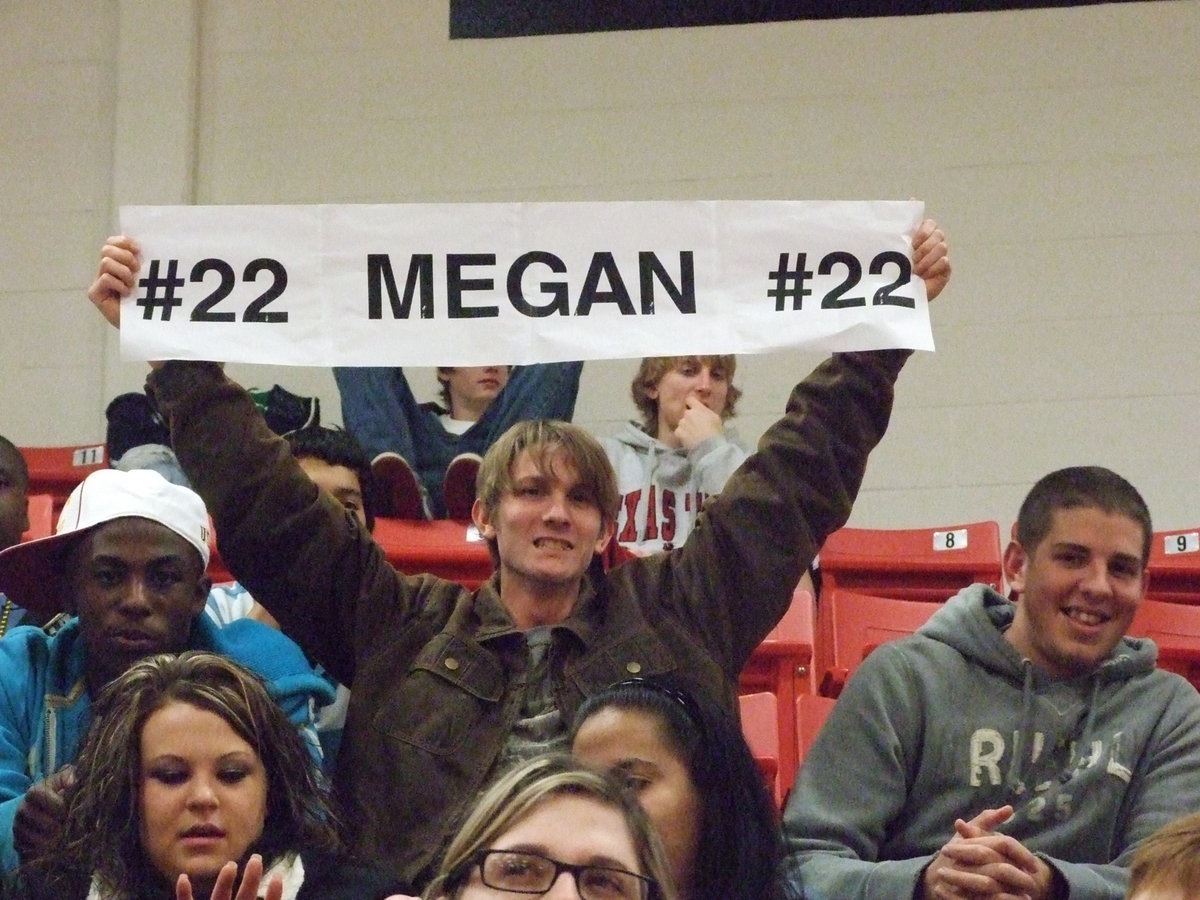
379,409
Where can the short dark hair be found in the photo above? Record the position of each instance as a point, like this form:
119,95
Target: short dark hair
101,835
337,447
19,464
1075,487
740,845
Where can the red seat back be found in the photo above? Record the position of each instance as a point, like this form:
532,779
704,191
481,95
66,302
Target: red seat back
760,727
1175,628
781,666
924,564
860,623
41,517
57,470
441,547
811,712
913,563
1175,566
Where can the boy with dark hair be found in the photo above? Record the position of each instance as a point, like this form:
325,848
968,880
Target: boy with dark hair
337,462
1015,749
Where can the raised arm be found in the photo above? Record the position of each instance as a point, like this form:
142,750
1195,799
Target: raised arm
120,260
379,409
735,575
540,391
297,550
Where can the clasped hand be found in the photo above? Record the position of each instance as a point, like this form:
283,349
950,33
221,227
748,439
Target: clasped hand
979,863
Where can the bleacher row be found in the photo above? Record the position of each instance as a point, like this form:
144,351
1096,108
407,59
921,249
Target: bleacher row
877,585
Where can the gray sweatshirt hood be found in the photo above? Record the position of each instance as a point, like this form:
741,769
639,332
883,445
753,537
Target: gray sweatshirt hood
974,622
664,465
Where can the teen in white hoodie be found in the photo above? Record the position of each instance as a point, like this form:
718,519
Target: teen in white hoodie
680,453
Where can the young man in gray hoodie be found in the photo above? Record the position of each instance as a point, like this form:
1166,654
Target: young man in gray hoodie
1008,749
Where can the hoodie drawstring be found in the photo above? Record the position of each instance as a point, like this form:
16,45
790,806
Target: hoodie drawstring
1016,766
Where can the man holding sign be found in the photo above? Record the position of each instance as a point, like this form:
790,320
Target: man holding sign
450,686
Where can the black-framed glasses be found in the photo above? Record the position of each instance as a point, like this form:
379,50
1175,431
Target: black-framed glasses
523,872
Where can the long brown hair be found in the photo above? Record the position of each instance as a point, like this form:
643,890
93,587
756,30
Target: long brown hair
101,836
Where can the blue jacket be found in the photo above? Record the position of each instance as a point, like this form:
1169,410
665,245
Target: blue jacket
45,708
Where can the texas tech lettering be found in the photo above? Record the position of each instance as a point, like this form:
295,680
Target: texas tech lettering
650,516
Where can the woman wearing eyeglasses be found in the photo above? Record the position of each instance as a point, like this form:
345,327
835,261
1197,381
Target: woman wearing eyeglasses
685,759
550,828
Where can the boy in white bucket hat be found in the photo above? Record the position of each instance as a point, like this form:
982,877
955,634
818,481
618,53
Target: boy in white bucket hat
127,564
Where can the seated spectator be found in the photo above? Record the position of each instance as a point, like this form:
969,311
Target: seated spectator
452,686
685,759
681,452
336,463
547,819
128,564
1167,864
190,773
14,520
1017,749
425,456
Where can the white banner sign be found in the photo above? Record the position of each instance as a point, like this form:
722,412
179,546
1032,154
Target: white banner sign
483,283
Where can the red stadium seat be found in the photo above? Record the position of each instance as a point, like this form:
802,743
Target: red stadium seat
782,666
760,728
1175,566
1175,628
811,713
41,517
861,622
439,547
913,563
926,564
57,470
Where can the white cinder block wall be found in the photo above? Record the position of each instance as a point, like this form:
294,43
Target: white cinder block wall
1060,148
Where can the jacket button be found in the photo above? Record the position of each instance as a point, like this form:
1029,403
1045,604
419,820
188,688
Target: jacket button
451,663
633,667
